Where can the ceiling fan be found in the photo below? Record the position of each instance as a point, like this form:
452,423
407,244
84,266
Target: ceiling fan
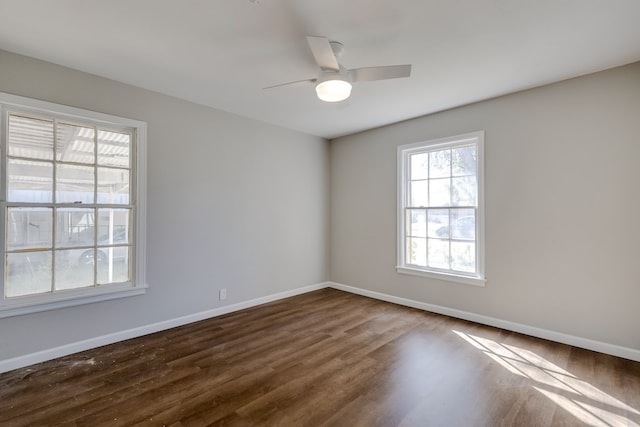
334,82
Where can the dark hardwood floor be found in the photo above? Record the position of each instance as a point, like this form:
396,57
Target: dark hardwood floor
327,358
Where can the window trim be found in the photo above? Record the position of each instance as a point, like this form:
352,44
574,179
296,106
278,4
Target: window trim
404,151
42,302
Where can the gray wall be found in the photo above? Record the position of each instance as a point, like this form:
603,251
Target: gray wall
232,203
562,208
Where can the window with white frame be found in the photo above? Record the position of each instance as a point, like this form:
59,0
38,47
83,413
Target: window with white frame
72,206
440,208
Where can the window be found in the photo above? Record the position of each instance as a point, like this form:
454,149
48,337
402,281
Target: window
440,209
73,200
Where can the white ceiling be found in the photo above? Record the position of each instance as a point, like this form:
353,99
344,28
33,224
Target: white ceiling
222,53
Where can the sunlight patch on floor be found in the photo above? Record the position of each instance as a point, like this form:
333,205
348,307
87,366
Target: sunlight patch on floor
587,403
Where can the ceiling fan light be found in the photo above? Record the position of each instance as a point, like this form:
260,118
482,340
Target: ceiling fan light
333,90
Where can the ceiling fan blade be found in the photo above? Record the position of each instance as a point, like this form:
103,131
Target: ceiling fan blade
322,52
380,73
297,82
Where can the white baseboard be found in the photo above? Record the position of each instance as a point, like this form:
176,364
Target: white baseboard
65,350
602,347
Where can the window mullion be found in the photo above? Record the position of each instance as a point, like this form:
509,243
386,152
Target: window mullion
54,210
450,235
95,208
4,121
450,206
427,240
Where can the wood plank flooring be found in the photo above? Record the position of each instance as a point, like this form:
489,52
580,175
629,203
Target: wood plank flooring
327,358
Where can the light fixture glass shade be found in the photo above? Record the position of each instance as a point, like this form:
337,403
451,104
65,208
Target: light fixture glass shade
333,90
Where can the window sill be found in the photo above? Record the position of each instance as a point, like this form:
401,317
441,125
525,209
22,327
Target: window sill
27,305
467,280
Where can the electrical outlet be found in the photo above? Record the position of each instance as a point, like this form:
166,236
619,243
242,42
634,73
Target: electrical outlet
223,294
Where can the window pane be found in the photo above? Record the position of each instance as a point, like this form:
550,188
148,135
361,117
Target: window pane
74,184
463,224
113,186
74,227
32,138
417,218
73,269
419,193
439,192
75,144
114,149
463,191
416,251
439,223
464,161
28,273
113,264
440,164
113,226
463,256
29,181
420,166
29,228
438,253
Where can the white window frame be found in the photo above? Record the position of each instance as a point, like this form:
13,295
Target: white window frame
15,306
404,152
